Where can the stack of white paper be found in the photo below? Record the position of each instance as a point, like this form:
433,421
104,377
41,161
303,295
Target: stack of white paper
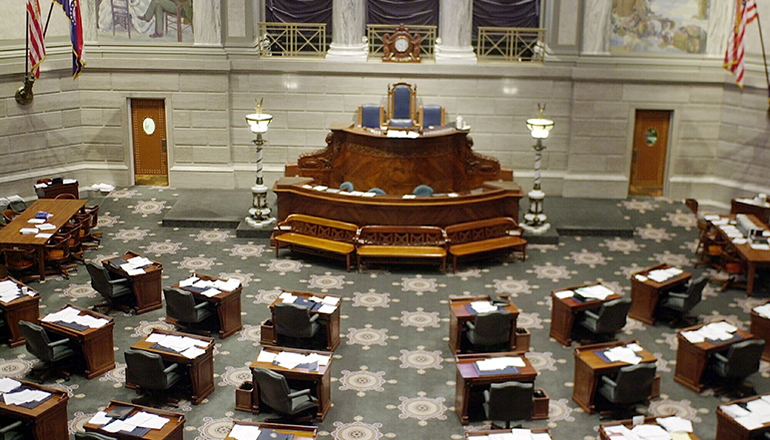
763,310
72,315
244,432
623,354
675,424
102,187
290,360
28,231
328,303
564,294
515,434
100,418
287,297
144,419
188,282
9,291
24,396
46,227
483,306
187,346
660,275
596,292
136,265
651,432
500,363
8,384
755,415
716,331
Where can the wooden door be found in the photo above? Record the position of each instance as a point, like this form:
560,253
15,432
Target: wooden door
148,130
648,160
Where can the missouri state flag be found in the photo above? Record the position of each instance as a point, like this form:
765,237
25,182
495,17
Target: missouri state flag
36,43
72,10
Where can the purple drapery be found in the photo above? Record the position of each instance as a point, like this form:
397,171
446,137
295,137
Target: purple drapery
417,12
506,13
299,11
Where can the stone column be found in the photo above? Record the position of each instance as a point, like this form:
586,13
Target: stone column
455,24
207,23
88,19
348,23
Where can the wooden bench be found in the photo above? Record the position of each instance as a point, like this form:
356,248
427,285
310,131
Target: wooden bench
315,235
483,237
398,244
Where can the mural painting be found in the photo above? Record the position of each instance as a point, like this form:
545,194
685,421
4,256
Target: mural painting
661,26
160,20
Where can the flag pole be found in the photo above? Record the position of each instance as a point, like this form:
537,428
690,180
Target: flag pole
48,19
26,47
764,58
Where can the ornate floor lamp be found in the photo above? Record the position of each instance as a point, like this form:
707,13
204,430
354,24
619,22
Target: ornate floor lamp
534,219
259,213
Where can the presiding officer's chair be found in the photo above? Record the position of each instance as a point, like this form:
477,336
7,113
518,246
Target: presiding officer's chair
181,306
509,402
631,386
490,331
51,353
740,361
371,115
147,371
402,108
294,325
610,318
431,116
274,392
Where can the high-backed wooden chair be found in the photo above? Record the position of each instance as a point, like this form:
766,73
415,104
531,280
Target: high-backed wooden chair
371,115
431,116
21,263
402,105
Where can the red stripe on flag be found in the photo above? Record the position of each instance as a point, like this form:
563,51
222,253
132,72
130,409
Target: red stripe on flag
36,43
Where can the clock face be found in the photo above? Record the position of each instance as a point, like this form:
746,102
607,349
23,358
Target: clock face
401,44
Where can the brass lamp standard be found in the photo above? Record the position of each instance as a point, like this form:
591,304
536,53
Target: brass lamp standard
259,213
534,219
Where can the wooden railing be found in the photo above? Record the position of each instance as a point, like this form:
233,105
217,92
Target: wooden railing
375,32
497,44
292,40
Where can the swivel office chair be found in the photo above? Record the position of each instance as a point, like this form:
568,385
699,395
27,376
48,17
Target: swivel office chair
181,307
290,404
52,354
295,326
610,318
490,331
117,292
740,361
147,371
509,402
631,386
679,303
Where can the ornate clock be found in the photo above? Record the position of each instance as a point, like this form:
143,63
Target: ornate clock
401,46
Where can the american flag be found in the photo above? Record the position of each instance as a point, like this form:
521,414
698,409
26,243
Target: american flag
745,14
36,43
72,10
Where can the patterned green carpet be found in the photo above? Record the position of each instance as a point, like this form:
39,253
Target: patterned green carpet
393,375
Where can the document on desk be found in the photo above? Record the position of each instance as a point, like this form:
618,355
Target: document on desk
7,384
651,432
287,297
564,294
244,432
188,282
24,396
100,418
229,285
44,236
144,419
210,292
193,352
623,354
483,306
597,291
66,314
327,309
620,432
289,360
675,424
46,227
500,363
735,411
267,357
118,425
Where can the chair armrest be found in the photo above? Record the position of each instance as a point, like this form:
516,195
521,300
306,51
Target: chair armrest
299,393
58,342
118,281
720,357
471,325
313,318
14,425
201,305
591,314
608,381
681,295
170,368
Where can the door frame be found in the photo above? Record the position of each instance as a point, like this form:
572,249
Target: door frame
129,148
673,139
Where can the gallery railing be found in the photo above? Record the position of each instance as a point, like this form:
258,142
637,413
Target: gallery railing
375,32
292,40
496,44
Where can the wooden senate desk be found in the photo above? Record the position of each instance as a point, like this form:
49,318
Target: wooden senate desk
482,433
589,368
754,258
759,209
227,304
728,428
46,421
760,328
62,210
147,286
200,369
96,343
564,311
319,381
23,308
299,432
691,359
471,382
172,430
646,294
630,424
50,190
460,312
330,321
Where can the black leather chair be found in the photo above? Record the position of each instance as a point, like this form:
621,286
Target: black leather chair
610,318
92,436
294,325
489,331
50,353
740,361
117,291
678,303
631,386
12,430
147,371
509,402
291,404
181,306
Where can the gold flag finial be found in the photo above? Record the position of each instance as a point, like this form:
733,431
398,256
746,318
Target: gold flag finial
258,108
